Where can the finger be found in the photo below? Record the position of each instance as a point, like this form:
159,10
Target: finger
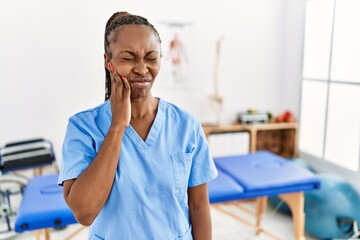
114,75
115,78
113,92
127,88
116,86
118,80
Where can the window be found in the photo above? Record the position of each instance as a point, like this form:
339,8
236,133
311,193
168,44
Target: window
330,96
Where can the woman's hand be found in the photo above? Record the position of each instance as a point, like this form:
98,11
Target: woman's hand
120,101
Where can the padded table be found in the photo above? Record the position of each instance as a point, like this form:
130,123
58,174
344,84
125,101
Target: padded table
259,175
43,206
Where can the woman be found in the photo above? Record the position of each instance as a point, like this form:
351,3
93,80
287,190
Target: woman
136,166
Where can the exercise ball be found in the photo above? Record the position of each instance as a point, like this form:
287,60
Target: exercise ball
331,210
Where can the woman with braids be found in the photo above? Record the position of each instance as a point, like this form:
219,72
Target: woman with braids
136,166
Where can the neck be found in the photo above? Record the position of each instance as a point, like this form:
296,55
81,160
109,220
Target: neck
141,108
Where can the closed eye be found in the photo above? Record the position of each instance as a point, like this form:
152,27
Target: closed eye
151,59
127,59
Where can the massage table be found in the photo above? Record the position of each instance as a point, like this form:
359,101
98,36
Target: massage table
43,207
16,157
257,176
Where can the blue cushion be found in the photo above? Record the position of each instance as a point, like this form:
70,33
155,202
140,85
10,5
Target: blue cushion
224,188
264,173
43,205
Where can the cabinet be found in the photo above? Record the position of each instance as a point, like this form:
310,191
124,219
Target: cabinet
279,138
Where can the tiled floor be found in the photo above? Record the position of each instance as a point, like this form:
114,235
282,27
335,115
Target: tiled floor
224,226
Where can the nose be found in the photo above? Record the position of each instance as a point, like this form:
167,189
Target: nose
141,68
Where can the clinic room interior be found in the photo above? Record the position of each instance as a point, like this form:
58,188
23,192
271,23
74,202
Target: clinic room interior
275,85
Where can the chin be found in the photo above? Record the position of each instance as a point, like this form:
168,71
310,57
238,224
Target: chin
139,94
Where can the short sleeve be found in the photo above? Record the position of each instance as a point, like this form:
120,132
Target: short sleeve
78,151
203,168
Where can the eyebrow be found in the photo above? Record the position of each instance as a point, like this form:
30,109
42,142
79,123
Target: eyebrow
133,54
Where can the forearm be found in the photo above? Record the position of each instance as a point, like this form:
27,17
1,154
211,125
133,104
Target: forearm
201,223
199,210
88,193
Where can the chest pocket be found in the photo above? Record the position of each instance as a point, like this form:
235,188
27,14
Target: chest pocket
181,166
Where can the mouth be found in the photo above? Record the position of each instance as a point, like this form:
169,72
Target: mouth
140,83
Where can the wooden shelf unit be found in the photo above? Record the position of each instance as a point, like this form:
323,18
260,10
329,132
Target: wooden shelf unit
279,138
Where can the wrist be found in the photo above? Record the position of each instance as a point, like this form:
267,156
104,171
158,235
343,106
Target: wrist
117,128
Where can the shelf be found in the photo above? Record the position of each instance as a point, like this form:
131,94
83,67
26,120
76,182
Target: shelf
279,138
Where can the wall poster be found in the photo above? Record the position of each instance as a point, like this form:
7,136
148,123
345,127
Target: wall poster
178,49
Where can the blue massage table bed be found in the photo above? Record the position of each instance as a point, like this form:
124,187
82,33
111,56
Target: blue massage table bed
257,176
43,206
253,176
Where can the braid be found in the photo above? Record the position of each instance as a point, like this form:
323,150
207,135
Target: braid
117,20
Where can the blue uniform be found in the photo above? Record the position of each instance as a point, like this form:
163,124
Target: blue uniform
149,197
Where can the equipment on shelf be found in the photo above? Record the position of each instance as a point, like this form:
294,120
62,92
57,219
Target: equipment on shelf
252,117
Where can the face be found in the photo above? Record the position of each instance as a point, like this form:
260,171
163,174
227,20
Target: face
135,55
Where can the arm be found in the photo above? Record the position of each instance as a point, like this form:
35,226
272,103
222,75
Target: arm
199,208
87,194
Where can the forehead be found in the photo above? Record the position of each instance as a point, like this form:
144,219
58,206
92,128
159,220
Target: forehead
134,38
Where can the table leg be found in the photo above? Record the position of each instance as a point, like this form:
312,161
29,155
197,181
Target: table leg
295,201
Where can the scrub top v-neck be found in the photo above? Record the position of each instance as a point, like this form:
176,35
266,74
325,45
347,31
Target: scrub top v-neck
149,197
154,130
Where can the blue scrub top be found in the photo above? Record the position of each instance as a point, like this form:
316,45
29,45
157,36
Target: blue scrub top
149,197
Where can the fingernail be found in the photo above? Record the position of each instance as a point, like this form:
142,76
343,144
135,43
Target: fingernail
110,67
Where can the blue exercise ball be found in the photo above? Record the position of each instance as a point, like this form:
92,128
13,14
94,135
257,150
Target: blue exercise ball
331,210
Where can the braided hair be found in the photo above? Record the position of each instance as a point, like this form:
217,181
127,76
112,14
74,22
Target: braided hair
117,20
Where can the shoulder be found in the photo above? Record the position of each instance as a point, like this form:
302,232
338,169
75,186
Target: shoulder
180,119
177,113
90,114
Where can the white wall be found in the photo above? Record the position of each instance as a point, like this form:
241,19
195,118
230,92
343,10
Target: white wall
51,59
293,25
